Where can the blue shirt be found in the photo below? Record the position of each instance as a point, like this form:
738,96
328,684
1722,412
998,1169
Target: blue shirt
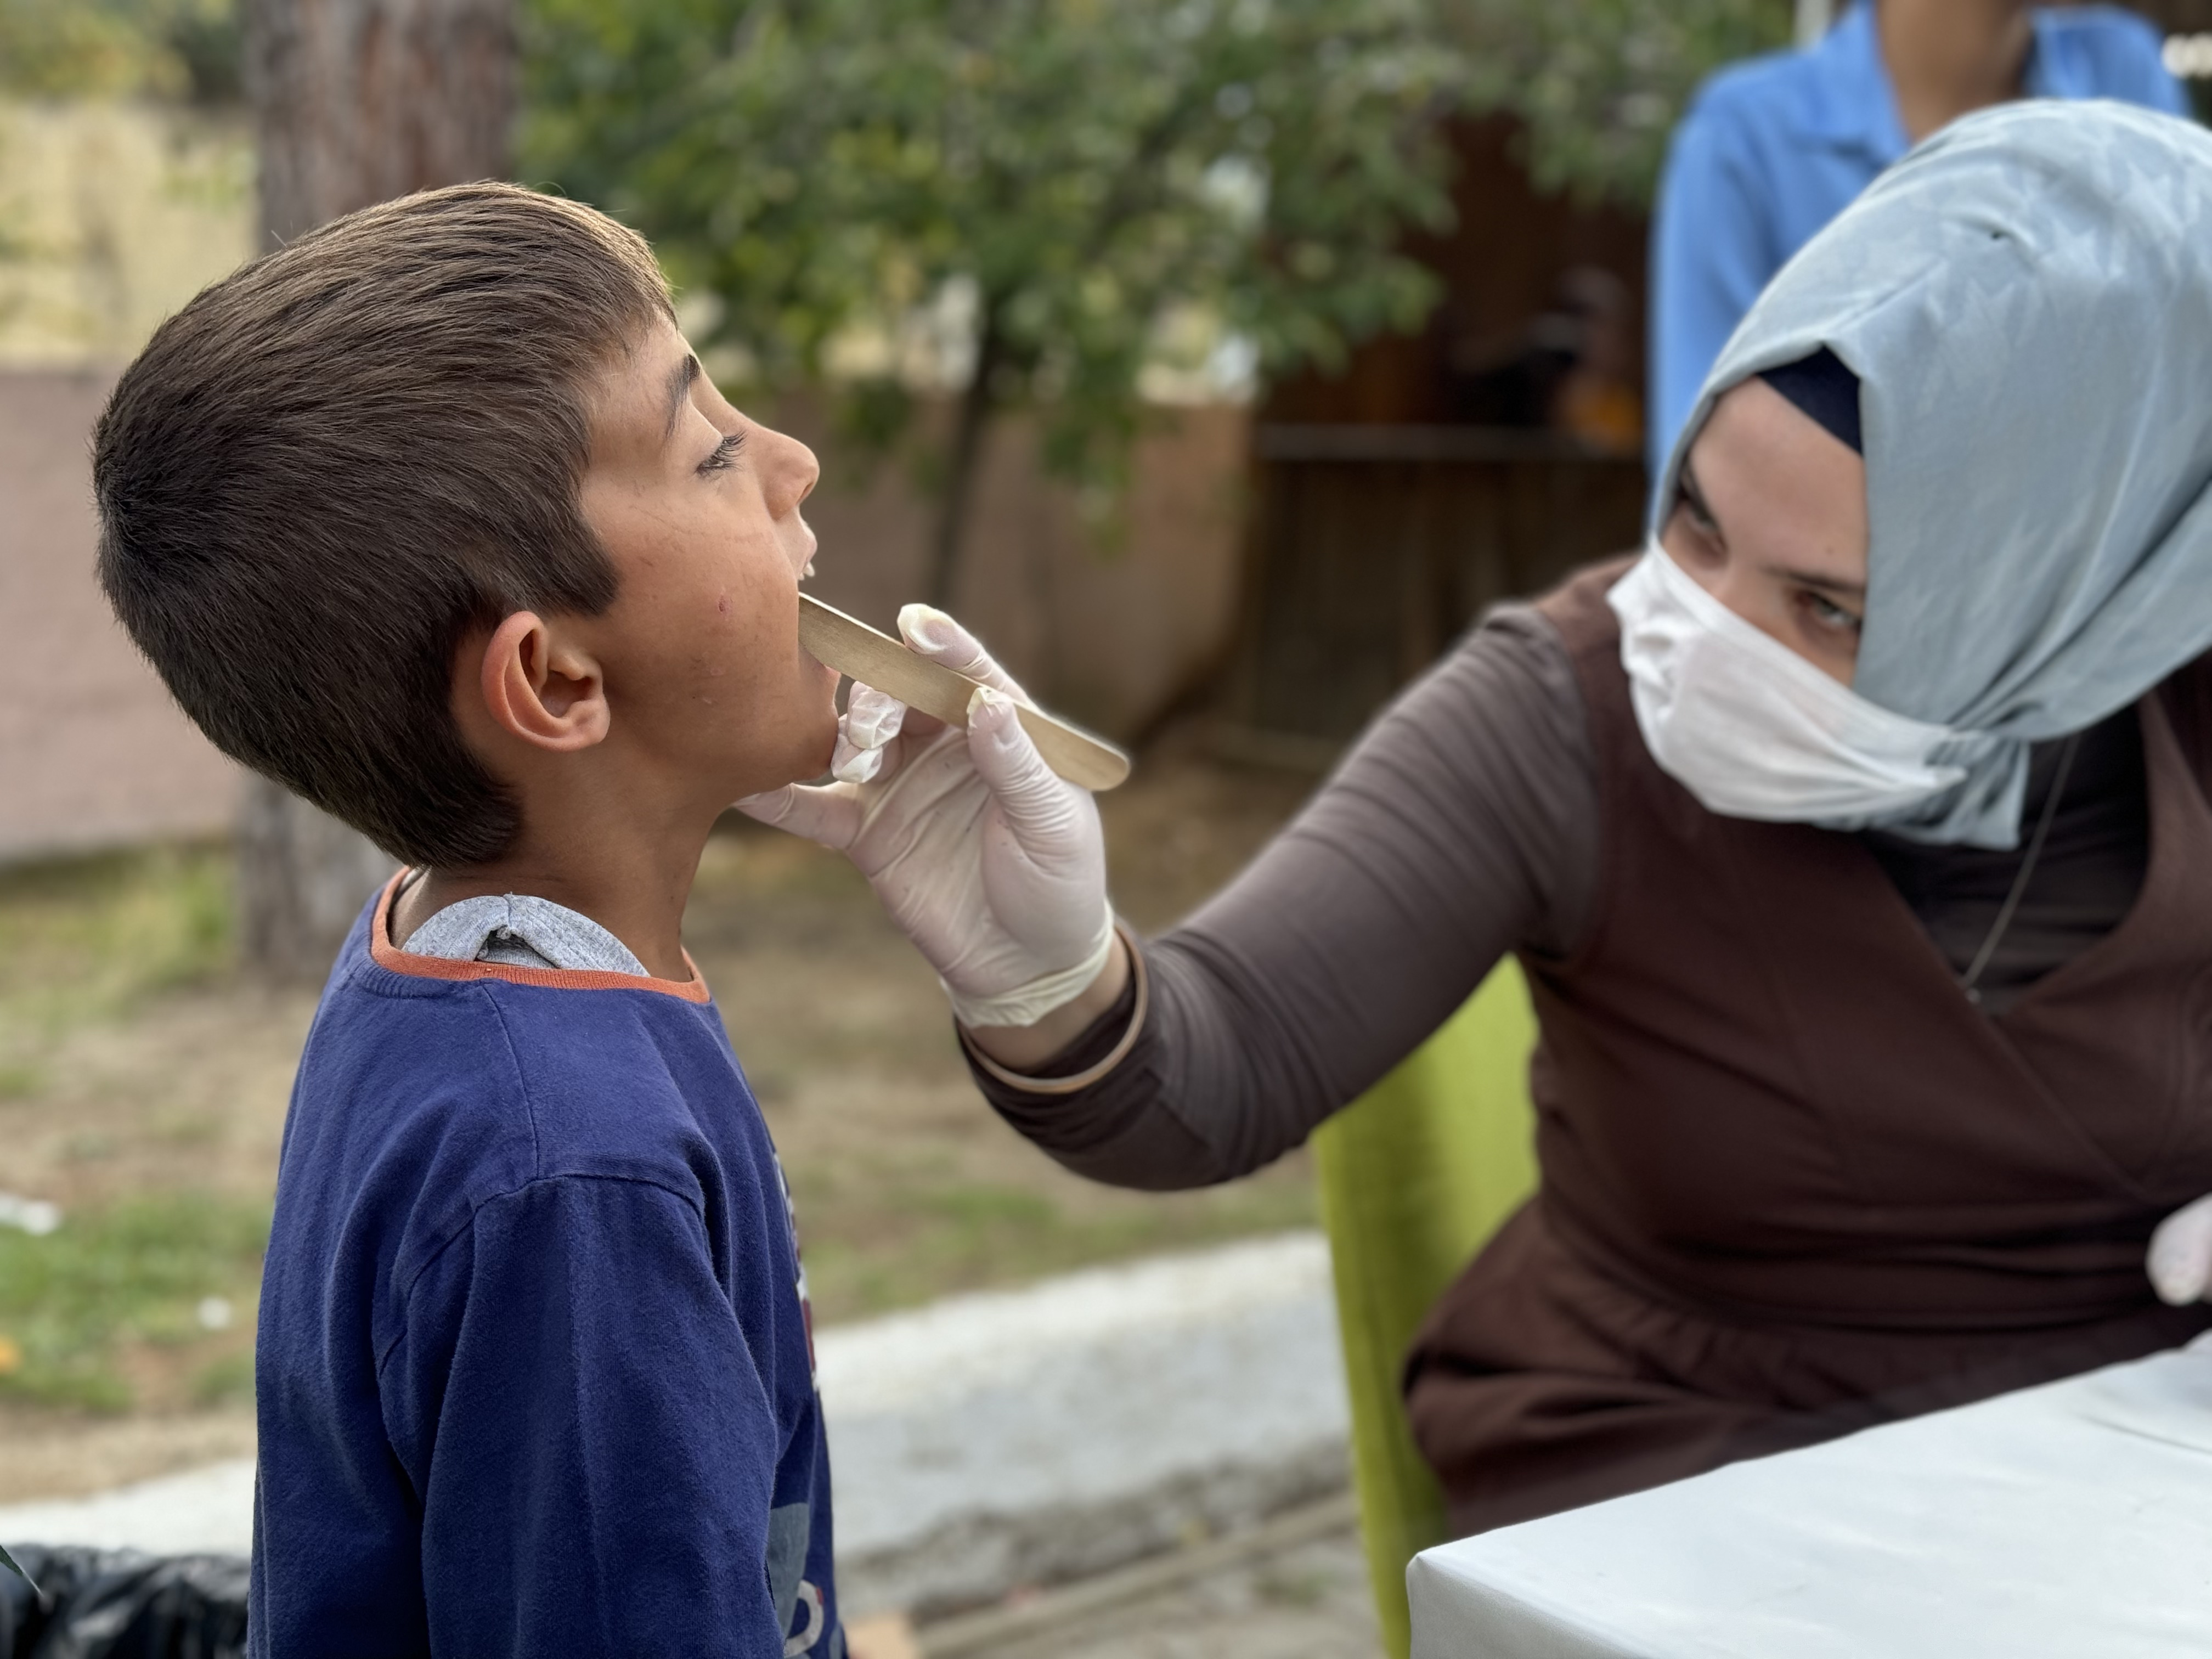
534,1374
1771,151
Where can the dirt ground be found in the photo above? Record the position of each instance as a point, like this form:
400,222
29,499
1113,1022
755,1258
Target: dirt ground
1309,1602
120,1077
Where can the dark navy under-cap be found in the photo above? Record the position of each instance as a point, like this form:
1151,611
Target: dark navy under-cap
1821,387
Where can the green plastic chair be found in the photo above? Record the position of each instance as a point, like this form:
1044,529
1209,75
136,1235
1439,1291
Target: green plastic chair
1414,1175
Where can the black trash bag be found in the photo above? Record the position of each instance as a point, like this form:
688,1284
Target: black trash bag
120,1604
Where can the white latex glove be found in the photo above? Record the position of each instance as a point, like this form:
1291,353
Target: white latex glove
2179,1260
989,861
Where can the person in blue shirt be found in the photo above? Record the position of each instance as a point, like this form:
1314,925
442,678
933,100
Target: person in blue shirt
1771,151
432,516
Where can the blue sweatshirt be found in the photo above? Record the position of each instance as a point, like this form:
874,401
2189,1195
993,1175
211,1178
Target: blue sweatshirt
534,1373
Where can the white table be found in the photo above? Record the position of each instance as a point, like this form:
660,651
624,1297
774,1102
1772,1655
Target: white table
2073,1521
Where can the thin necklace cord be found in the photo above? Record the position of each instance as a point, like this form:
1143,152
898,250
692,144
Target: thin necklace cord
1972,978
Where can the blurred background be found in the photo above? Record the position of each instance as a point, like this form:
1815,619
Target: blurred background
1217,359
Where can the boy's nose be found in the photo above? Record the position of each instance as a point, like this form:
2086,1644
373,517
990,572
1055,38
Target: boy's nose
790,474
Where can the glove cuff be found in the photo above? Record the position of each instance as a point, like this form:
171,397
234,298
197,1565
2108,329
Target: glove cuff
1026,1004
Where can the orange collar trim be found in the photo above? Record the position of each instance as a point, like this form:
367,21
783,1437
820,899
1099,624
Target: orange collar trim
385,954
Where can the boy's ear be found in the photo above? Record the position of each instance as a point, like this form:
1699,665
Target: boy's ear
542,689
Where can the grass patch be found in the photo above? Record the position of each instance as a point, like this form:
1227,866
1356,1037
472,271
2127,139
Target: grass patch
85,939
892,1238
225,1381
1302,1590
134,1271
88,939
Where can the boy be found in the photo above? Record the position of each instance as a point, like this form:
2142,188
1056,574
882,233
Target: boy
432,517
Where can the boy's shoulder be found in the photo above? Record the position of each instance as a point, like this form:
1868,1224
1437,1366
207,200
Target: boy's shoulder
468,1086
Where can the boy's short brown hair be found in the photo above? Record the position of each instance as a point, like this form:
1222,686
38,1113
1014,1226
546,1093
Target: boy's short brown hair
333,464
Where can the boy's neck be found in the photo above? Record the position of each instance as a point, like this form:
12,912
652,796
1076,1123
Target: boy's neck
635,885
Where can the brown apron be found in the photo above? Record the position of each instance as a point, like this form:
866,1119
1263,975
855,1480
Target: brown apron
1794,1183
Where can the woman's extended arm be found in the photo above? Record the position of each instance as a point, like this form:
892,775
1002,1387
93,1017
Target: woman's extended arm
1463,824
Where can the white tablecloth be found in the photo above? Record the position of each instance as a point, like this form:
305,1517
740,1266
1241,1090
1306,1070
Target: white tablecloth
2073,1521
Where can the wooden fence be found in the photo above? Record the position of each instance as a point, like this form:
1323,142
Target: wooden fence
1373,547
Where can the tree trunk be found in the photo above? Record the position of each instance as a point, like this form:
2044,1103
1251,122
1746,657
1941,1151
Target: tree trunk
963,462
355,101
302,878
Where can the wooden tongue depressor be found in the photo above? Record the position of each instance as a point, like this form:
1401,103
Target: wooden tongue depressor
851,647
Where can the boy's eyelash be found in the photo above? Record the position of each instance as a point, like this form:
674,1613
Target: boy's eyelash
725,453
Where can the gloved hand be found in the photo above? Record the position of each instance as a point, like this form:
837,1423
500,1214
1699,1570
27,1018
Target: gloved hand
2179,1260
990,862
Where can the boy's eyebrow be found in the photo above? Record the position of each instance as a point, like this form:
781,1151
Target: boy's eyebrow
679,391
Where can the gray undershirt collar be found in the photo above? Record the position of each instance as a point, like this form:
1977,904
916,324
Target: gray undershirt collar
522,932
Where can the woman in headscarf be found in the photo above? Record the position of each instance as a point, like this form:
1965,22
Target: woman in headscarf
1855,840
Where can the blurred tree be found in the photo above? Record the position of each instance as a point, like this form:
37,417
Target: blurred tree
174,49
354,101
1598,84
1033,202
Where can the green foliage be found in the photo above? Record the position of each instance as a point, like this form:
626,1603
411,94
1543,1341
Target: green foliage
86,939
1598,84
136,1270
227,1380
163,48
82,941
1056,186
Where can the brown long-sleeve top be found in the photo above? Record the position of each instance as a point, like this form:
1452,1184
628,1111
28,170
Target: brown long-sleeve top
1462,826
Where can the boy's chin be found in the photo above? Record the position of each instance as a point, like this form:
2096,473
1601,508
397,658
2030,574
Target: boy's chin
799,752
795,744
818,766
812,753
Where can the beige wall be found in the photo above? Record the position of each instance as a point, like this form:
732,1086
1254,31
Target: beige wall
1108,629
112,215
92,753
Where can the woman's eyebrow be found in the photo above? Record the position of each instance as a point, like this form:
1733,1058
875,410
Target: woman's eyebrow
1814,579
680,393
1686,482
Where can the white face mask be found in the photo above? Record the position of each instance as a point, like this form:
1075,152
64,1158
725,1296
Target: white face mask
1751,728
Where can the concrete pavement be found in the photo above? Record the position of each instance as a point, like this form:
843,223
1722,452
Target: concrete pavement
995,1440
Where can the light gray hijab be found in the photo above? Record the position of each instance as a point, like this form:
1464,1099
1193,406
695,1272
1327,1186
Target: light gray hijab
2026,299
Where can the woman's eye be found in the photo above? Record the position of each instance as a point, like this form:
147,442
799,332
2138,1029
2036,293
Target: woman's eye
1827,614
724,454
1703,536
